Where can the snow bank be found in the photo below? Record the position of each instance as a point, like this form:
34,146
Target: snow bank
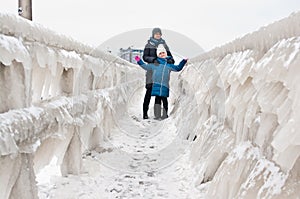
241,101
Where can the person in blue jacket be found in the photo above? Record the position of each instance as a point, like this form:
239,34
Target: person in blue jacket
161,77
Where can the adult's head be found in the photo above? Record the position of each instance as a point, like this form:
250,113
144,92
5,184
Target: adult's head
156,33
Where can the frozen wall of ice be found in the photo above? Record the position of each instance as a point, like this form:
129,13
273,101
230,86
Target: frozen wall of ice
242,104
58,98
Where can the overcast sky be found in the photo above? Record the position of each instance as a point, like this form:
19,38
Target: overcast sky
209,23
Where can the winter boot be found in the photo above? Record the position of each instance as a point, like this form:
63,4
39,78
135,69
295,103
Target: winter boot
145,111
157,111
145,116
165,114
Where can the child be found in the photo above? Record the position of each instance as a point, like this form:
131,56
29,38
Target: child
161,76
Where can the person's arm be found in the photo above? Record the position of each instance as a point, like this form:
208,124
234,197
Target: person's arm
178,67
171,59
146,55
142,64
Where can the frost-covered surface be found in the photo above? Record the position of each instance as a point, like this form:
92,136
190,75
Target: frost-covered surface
35,51
136,162
247,114
51,86
71,120
260,40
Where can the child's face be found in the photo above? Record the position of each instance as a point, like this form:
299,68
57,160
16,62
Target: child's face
162,55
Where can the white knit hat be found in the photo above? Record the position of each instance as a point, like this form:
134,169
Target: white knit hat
160,48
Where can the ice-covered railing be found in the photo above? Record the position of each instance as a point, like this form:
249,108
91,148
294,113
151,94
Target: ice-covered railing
242,102
26,30
57,99
260,40
42,51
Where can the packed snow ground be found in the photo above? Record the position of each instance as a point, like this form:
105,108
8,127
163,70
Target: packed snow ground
137,162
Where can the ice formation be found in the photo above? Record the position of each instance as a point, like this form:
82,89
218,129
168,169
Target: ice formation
239,103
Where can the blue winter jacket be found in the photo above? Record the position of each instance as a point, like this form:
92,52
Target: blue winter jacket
161,75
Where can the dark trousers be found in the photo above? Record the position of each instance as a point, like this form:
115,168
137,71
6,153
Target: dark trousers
147,99
157,106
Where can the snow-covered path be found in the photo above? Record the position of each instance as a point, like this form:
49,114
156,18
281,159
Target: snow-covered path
141,159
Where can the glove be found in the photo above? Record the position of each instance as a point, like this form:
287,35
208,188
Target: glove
155,62
184,60
137,58
170,61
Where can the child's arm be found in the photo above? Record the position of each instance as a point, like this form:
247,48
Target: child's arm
178,67
142,64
